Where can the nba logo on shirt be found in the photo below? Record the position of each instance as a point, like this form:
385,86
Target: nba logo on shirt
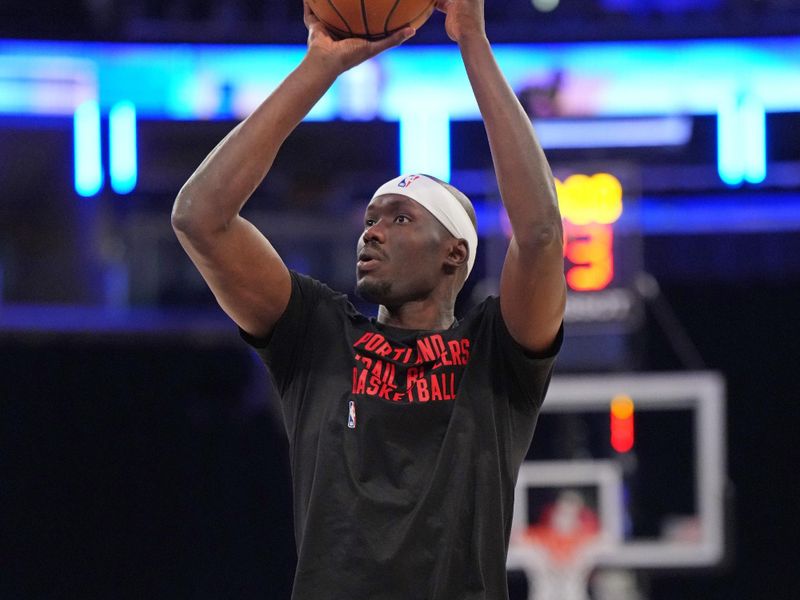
351,415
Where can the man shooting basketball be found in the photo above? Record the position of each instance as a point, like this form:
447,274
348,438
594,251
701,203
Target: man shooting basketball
407,430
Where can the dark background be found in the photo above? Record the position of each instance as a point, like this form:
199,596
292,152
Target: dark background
144,457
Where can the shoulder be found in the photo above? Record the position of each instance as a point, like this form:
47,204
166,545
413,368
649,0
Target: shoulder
306,287
521,375
309,295
311,292
312,304
485,319
481,316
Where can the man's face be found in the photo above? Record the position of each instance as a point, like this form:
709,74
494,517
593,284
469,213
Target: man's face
400,253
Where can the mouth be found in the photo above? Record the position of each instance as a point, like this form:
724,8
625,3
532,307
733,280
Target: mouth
365,265
367,261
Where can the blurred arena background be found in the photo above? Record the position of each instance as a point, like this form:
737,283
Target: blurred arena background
141,453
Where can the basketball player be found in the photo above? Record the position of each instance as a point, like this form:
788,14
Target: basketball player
407,430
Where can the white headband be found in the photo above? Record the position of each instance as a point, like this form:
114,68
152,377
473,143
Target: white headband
438,201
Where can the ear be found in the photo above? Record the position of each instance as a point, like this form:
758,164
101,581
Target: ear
457,254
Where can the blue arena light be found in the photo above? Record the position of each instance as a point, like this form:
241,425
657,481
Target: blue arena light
425,142
122,145
88,163
613,132
754,121
730,154
417,86
741,140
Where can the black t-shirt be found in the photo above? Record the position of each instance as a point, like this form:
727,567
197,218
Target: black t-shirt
405,447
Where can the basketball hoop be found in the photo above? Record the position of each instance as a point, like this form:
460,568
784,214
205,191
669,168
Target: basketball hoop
559,552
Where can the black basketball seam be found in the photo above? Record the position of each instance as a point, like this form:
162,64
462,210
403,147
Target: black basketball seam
341,32
364,15
346,24
389,16
418,15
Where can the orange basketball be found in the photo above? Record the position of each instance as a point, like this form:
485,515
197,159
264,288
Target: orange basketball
371,19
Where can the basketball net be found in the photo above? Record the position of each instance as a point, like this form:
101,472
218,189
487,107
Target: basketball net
560,550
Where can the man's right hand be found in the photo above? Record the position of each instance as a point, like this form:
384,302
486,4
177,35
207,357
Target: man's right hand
344,54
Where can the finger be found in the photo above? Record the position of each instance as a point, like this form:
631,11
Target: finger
443,5
309,18
397,38
313,24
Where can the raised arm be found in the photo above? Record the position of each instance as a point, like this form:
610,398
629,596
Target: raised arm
243,270
532,287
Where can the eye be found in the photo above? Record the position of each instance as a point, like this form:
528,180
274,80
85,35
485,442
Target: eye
402,219
369,222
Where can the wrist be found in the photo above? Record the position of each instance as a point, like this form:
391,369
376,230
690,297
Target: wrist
322,65
470,39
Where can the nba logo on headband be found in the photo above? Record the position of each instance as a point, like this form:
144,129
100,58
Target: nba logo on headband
407,181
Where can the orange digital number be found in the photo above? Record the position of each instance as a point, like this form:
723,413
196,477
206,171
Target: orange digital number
589,207
590,249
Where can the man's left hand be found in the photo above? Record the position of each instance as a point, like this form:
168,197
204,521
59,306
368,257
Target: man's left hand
464,18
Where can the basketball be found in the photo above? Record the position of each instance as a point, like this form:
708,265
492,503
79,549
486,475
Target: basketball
371,19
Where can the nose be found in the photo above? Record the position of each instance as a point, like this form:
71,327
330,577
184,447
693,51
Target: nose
374,233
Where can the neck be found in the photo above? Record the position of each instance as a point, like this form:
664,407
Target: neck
418,315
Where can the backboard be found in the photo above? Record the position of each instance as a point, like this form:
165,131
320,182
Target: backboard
649,497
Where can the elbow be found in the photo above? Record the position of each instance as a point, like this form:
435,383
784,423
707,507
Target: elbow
540,235
181,217
190,219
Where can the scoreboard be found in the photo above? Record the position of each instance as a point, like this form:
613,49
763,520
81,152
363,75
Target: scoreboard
590,205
